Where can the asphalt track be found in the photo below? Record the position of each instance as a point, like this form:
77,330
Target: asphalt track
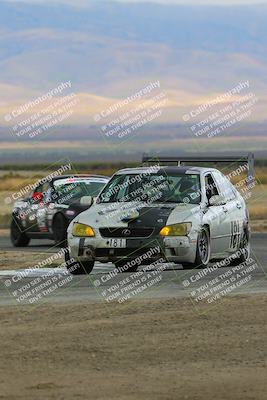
210,286
34,246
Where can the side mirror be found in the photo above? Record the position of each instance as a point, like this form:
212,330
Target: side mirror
37,197
217,201
87,201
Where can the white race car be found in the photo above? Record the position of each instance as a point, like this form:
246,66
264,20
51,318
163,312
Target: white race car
185,215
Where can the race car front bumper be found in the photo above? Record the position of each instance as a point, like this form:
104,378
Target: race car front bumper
171,249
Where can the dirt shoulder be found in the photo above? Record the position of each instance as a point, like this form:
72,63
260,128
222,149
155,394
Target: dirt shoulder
142,350
10,260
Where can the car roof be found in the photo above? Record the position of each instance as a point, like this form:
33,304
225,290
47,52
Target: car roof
166,169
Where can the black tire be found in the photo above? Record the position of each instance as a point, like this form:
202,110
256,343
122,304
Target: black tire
17,236
60,226
77,267
188,265
203,251
245,248
121,266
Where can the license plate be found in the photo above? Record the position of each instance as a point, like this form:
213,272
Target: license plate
117,243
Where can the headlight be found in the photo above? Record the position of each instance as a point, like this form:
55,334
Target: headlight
176,229
82,230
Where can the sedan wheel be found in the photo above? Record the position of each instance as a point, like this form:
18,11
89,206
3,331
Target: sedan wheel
60,227
245,249
204,247
122,266
77,267
203,251
17,236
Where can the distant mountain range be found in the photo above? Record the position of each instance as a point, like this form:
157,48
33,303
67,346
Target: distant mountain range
110,50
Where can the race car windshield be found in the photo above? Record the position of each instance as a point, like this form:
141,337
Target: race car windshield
69,192
153,188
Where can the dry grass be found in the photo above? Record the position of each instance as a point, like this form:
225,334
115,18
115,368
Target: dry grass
5,220
15,182
259,226
260,175
258,212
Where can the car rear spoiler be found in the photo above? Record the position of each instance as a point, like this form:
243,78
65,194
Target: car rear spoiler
241,158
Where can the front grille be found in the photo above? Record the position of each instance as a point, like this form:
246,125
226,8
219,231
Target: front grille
126,232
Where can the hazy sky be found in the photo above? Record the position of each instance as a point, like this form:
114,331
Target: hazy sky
214,2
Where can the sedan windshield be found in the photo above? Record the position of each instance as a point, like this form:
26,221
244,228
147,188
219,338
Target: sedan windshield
71,191
153,188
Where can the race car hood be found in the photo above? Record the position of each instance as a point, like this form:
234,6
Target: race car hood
153,215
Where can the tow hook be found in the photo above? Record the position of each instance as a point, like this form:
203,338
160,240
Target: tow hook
89,253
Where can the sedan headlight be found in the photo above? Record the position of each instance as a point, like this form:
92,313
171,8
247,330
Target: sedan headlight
176,229
82,230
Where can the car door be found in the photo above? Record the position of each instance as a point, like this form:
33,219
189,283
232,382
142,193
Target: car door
218,218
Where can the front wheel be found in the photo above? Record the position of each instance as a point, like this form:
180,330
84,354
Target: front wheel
203,251
18,238
60,226
80,268
124,266
77,267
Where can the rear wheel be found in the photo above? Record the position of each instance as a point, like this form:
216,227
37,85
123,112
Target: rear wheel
203,251
17,236
60,226
244,251
122,266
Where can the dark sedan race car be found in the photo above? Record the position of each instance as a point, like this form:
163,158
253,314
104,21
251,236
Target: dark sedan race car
48,210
